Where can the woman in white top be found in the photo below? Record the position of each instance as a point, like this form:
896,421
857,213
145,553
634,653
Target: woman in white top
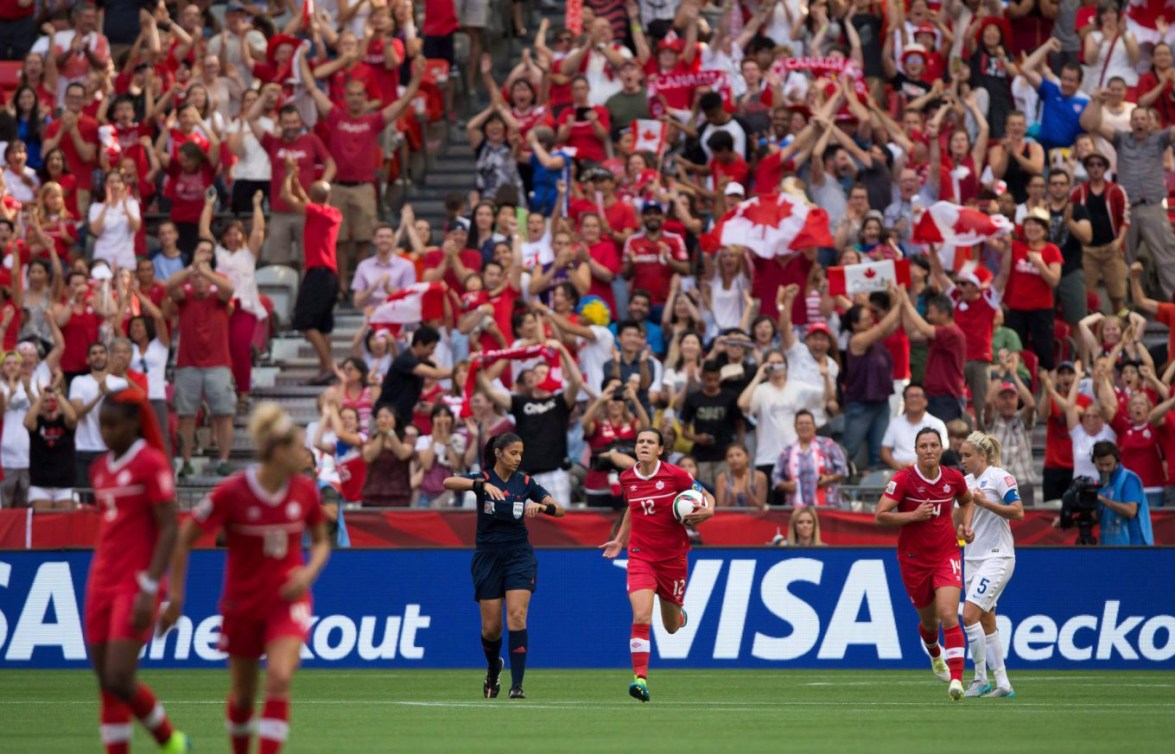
1110,50
114,222
252,171
236,259
20,181
210,118
151,343
728,289
989,558
14,453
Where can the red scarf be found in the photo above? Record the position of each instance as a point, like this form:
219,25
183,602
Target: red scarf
487,358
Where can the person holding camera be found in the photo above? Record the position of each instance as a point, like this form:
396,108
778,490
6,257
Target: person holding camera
1123,513
622,417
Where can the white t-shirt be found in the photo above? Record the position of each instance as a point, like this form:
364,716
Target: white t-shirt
726,304
88,439
15,451
116,243
254,164
153,363
240,267
16,188
802,367
774,411
993,534
901,433
1083,445
592,356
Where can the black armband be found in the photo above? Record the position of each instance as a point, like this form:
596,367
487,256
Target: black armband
479,487
550,509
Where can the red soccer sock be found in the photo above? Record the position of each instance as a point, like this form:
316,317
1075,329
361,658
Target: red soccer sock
274,726
116,724
954,640
639,645
930,641
239,722
149,712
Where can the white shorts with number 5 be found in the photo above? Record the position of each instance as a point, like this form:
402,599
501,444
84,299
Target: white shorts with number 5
986,580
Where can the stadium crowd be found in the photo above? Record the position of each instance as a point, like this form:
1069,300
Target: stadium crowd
157,157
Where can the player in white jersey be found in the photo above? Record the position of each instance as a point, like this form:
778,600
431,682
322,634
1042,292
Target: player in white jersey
989,559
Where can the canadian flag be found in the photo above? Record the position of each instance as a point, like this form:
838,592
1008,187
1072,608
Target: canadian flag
867,277
949,223
108,138
1141,16
772,225
416,303
308,11
649,136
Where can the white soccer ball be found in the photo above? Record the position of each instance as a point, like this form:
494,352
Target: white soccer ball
685,504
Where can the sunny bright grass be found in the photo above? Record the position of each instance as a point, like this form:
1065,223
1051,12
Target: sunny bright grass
590,711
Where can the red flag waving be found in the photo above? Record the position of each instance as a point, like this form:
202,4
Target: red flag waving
484,359
772,225
949,223
416,303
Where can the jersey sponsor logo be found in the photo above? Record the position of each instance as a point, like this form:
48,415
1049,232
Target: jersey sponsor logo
519,509
891,487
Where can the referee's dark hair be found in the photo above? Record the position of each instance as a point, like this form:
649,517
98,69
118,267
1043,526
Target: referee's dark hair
496,443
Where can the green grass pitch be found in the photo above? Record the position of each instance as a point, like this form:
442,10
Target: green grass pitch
590,711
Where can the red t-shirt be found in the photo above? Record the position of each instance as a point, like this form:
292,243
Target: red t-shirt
12,334
1140,446
932,540
1058,445
677,97
360,72
354,142
203,326
944,362
63,232
1167,433
898,345
186,191
1166,315
263,532
321,236
977,321
605,254
1027,290
649,273
737,170
81,169
655,535
79,333
504,317
307,150
470,258
388,79
126,492
583,138
771,274
12,10
440,18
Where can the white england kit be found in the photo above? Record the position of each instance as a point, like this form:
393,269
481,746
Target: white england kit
990,559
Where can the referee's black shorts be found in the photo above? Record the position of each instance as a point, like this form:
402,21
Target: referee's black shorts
315,308
495,573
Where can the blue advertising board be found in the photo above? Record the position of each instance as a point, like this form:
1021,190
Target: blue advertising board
749,608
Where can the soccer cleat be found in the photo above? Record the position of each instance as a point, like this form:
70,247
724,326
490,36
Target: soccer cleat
978,688
516,692
491,686
939,666
1000,691
177,744
956,691
684,619
639,689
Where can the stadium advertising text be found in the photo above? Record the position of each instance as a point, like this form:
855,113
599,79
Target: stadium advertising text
842,608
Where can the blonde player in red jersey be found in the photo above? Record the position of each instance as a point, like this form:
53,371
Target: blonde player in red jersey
264,511
135,491
921,500
657,547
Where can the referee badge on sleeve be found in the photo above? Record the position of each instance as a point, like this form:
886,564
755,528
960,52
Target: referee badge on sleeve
519,508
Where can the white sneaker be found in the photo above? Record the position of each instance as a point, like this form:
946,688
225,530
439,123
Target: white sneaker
941,671
1001,691
978,688
956,691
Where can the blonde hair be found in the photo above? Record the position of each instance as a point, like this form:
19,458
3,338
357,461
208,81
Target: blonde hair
988,445
791,526
269,426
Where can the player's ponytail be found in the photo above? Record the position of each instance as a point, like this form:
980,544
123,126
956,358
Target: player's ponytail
496,443
270,428
988,445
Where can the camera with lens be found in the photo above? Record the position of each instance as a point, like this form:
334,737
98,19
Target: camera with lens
601,461
1079,508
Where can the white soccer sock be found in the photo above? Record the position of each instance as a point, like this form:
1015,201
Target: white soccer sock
995,658
978,646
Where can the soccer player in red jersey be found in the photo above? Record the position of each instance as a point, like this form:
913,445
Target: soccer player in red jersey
921,500
134,488
264,511
657,546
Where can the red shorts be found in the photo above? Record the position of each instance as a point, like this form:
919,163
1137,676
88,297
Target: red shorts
922,578
248,635
667,577
108,617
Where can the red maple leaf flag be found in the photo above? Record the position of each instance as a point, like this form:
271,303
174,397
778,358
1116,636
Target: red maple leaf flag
649,136
949,223
418,302
1142,17
867,277
774,225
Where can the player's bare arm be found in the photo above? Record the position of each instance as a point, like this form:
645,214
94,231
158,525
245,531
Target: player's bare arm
963,514
303,577
188,535
613,547
168,523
